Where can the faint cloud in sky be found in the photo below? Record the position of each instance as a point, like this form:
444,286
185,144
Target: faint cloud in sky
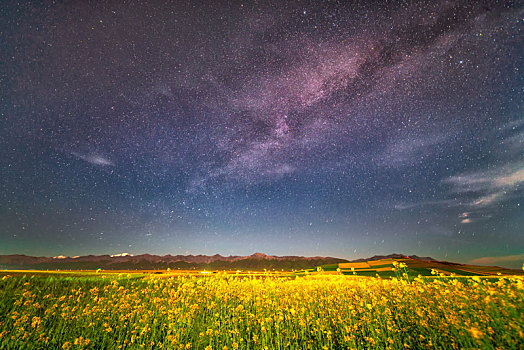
443,202
514,261
491,186
407,151
94,158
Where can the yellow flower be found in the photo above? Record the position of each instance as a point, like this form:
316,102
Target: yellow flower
35,322
475,333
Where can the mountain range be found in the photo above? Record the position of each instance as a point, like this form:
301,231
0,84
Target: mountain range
126,261
257,261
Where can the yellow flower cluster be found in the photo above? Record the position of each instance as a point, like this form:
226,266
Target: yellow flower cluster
230,312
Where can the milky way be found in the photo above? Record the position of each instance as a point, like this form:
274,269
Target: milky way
306,128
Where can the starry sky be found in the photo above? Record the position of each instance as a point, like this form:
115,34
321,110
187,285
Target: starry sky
332,128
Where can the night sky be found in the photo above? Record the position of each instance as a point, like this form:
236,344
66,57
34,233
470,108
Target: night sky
332,128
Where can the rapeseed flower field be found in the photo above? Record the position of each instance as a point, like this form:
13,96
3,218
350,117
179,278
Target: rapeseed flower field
229,312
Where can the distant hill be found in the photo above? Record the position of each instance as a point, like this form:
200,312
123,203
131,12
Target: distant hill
125,261
394,256
382,266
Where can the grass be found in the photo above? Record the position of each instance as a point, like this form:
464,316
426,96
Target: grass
228,311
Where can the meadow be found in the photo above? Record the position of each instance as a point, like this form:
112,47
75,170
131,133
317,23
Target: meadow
265,311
